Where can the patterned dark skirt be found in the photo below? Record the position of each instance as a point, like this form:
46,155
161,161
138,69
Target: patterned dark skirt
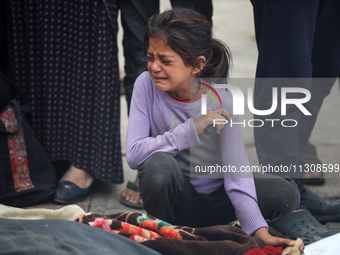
63,56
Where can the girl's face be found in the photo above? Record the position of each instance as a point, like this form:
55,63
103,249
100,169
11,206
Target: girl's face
167,69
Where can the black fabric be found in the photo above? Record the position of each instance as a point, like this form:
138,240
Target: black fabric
41,170
62,55
3,41
5,93
295,39
54,237
203,6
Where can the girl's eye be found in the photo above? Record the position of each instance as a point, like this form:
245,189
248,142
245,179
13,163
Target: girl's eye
149,58
166,61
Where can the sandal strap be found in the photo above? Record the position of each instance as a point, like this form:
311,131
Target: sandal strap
132,185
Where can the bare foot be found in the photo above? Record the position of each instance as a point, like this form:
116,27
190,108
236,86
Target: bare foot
131,196
78,176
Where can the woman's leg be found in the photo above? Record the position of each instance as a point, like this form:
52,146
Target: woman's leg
78,176
75,185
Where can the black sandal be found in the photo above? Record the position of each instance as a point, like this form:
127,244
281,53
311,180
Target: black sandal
128,203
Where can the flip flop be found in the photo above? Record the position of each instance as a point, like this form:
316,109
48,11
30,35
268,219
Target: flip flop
128,203
300,224
324,210
313,180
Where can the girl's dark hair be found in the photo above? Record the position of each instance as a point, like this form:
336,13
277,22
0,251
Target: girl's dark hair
189,34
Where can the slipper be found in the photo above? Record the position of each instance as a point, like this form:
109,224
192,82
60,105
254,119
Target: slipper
300,224
324,210
128,203
69,193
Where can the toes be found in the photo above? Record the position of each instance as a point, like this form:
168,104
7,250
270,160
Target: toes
132,196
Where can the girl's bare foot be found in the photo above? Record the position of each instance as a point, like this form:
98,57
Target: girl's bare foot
131,196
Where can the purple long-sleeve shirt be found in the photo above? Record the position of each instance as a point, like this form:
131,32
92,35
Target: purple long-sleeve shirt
159,123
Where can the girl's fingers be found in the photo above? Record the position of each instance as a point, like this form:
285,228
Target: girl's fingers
226,114
218,118
221,112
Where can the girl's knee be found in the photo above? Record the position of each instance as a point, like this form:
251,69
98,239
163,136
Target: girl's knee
279,194
158,171
290,191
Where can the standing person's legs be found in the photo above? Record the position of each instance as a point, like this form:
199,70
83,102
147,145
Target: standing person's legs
326,68
284,34
325,62
203,6
134,16
3,35
5,94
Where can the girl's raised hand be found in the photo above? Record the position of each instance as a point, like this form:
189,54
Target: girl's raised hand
217,117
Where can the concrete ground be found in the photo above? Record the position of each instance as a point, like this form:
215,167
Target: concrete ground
233,24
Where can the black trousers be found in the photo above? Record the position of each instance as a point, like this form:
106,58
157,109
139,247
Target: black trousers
295,39
168,195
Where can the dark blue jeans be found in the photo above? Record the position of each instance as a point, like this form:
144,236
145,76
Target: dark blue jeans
168,195
295,39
